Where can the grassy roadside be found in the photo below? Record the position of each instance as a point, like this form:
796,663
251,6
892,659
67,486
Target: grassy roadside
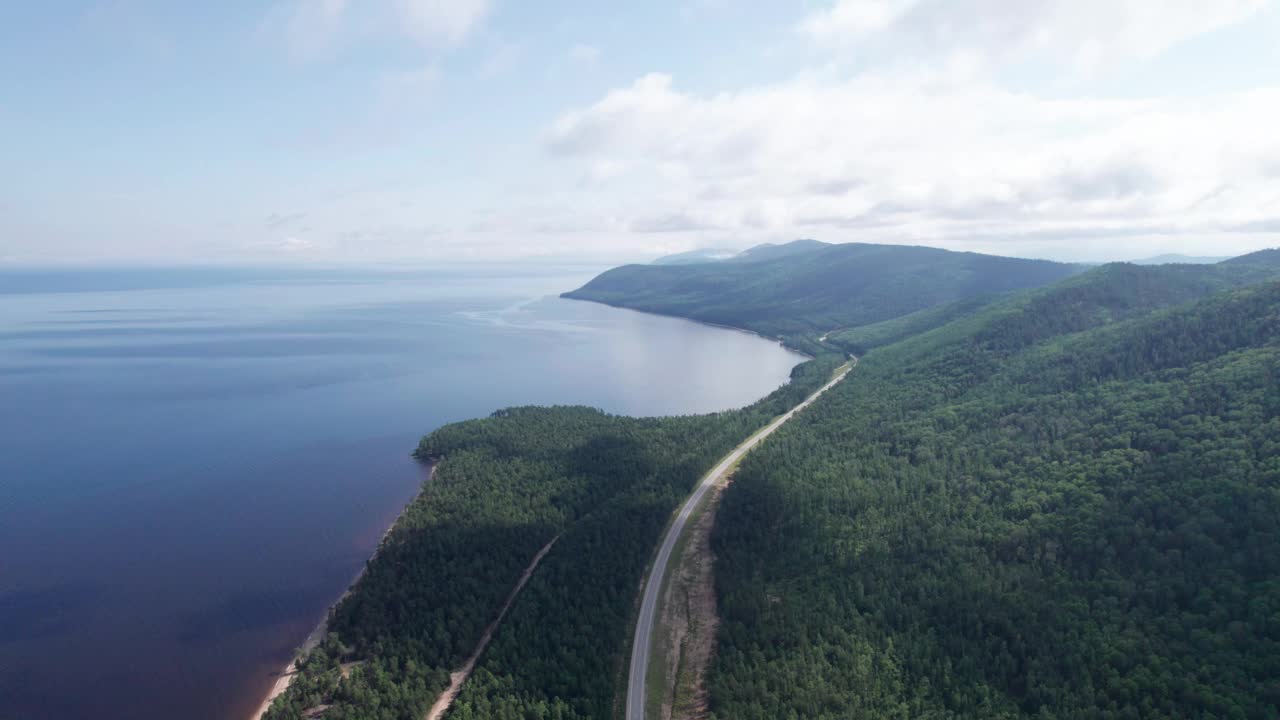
624,663
621,671
655,677
679,686
663,685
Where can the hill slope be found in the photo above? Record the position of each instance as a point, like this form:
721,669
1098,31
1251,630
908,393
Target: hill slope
1269,258
1106,294
1177,259
817,289
1064,505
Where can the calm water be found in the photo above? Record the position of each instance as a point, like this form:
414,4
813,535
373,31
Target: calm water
194,464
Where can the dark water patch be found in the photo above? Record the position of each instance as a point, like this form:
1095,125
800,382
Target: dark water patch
20,370
242,612
39,614
179,506
24,694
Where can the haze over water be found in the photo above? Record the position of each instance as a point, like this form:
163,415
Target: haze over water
194,464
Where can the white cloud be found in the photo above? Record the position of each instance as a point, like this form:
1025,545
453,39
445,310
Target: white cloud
503,57
295,244
400,87
584,54
854,18
676,222
309,28
903,159
917,140
313,28
1086,33
444,23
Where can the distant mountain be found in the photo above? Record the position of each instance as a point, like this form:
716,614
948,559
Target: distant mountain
759,253
1176,259
1269,258
771,251
808,287
692,257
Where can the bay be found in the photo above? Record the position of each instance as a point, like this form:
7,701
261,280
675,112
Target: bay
194,463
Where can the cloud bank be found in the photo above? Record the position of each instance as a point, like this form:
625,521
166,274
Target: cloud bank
931,145
1086,33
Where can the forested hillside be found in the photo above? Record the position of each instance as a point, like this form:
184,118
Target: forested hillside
1107,294
1059,501
1267,258
507,485
863,338
1066,505
816,288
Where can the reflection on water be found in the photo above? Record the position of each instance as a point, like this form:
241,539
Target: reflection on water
194,464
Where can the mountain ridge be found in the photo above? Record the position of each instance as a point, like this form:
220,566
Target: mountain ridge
817,289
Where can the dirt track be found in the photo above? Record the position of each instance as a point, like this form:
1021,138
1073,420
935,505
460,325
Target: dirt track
459,676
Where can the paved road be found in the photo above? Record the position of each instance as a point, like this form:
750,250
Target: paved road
640,645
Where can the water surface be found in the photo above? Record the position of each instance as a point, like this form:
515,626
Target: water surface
194,464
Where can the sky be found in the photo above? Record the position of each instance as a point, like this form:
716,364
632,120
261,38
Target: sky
425,131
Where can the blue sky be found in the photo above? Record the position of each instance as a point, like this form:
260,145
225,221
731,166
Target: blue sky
428,130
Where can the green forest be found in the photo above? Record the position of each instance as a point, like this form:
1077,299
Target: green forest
1046,492
1066,505
807,289
504,486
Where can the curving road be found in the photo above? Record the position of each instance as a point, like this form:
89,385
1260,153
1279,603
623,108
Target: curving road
640,645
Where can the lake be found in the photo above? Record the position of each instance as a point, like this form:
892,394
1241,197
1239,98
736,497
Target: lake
195,463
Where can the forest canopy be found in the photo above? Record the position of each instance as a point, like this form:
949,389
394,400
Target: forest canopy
503,487
1047,491
1045,510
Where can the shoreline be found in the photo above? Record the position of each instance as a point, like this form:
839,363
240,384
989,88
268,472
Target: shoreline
285,678
777,340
